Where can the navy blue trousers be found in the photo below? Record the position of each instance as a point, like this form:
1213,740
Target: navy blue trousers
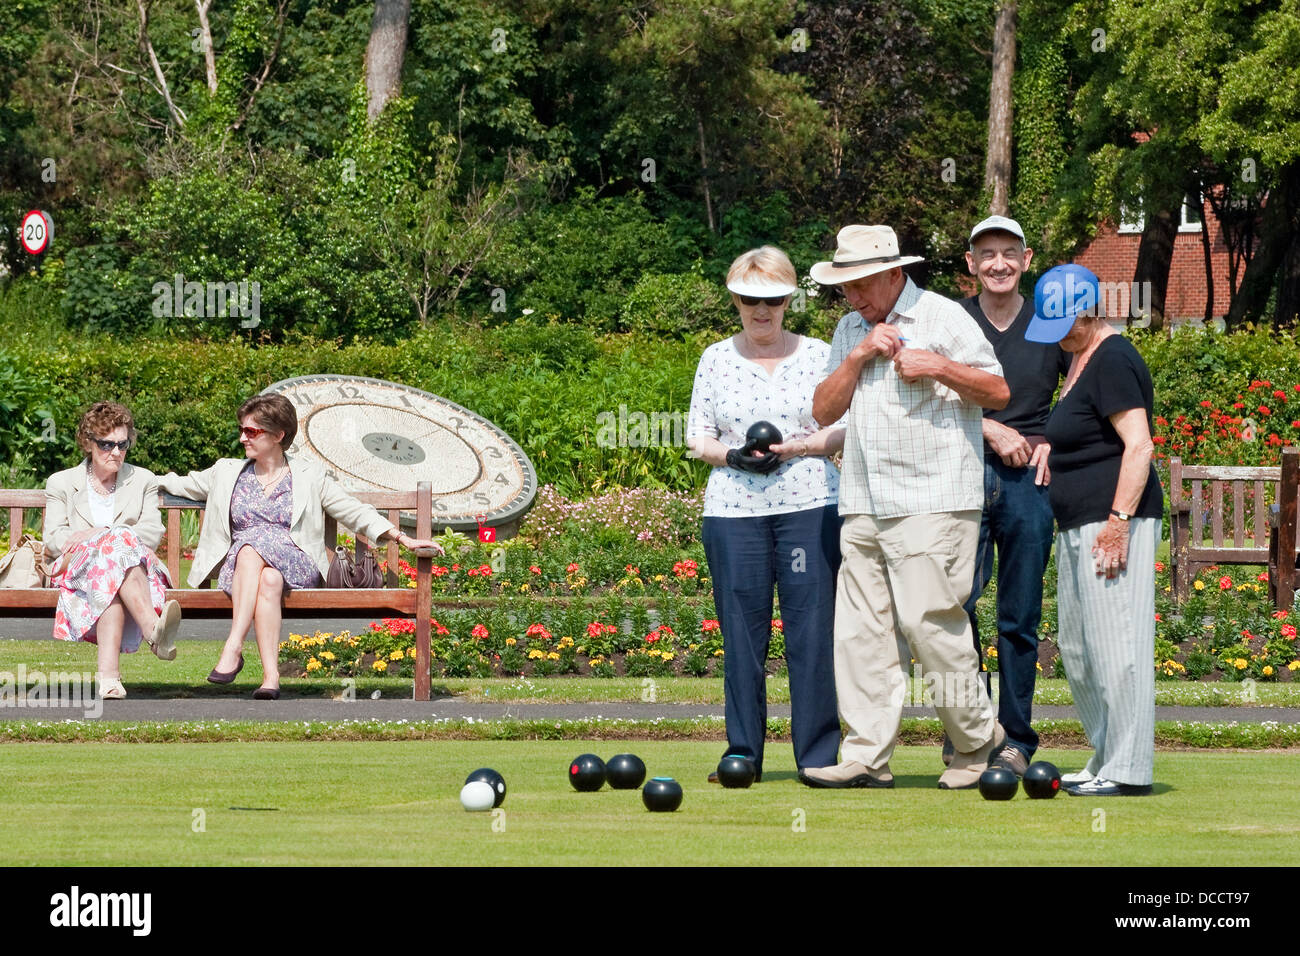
1017,522
798,554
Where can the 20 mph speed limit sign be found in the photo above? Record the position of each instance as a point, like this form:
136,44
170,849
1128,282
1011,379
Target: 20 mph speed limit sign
37,231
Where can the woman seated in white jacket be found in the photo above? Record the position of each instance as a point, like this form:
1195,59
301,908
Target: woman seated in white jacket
103,525
266,529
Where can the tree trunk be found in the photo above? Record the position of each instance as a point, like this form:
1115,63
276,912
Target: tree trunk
385,53
997,164
1155,254
704,176
1279,224
1209,261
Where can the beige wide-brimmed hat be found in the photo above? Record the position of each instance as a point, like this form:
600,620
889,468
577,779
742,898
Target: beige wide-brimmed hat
861,251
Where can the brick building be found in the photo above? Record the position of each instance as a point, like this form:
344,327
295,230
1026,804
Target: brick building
1112,255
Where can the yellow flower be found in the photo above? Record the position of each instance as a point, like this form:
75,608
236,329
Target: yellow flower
511,642
535,654
339,639
328,655
1294,665
566,641
1268,670
1240,663
659,577
396,655
992,651
552,656
524,588
1199,585
718,652
313,665
380,666
667,655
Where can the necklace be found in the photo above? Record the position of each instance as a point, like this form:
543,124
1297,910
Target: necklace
753,349
98,486
271,477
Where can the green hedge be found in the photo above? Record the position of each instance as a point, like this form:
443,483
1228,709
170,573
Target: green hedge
559,390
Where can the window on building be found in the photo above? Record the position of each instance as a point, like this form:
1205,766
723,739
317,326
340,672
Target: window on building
1193,207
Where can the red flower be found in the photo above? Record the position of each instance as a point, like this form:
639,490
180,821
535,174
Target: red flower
485,570
1263,410
709,625
538,630
1160,566
1161,421
1158,440
455,567
1225,582
1288,630
572,568
1157,617
1207,404
1238,404
1262,576
777,625
535,569
479,631
1279,394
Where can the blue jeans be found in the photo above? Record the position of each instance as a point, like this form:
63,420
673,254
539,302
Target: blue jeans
799,554
1017,522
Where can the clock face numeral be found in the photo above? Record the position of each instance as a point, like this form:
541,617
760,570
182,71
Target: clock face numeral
372,435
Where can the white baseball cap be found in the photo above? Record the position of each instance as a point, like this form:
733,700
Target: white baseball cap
997,224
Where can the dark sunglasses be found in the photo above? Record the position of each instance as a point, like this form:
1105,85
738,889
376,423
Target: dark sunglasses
774,301
248,431
107,446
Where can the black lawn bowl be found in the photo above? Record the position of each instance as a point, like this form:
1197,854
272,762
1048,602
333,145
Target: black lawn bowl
736,772
764,435
625,771
1042,780
662,795
493,780
998,783
587,773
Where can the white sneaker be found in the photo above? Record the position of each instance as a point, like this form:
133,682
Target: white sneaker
1076,778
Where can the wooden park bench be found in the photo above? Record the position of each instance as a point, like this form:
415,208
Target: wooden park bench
1221,514
307,602
1283,578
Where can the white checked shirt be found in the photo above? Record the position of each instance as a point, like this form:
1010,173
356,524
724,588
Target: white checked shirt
918,448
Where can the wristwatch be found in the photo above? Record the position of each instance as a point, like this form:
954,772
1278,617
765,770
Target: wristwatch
1120,515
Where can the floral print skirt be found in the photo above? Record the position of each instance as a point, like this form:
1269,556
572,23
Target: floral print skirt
94,573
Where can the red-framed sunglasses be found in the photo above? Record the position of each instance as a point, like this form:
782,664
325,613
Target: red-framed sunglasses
248,431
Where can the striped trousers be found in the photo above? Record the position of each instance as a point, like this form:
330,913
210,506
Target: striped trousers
1106,634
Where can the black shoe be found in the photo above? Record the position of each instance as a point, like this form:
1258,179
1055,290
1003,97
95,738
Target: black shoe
217,677
266,693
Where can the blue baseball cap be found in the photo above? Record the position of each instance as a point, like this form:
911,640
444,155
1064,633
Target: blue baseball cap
1061,296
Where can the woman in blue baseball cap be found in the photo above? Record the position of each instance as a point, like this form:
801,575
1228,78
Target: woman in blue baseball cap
1108,506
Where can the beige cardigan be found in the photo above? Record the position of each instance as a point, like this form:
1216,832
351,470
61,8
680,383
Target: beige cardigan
315,494
67,509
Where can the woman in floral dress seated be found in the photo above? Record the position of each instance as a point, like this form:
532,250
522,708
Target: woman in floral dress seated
265,529
103,525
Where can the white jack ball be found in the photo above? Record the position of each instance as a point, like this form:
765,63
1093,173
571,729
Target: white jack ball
477,795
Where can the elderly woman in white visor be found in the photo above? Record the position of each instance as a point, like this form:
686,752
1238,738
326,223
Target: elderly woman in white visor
770,518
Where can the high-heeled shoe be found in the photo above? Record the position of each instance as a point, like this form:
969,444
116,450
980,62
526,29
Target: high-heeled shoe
217,677
266,693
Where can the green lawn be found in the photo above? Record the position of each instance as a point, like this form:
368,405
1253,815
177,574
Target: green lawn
376,803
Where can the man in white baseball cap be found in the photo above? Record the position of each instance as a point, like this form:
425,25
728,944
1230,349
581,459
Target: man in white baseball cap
913,372
1017,516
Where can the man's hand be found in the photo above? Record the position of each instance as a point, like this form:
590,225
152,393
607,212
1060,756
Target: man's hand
883,339
1043,474
1008,443
913,365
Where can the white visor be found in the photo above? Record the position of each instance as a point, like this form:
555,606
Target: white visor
760,288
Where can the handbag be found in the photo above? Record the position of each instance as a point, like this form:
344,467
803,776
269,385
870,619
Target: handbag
24,566
362,573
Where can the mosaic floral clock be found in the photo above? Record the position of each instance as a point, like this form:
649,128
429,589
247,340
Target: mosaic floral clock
372,435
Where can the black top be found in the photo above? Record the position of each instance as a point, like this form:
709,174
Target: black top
1086,449
1032,370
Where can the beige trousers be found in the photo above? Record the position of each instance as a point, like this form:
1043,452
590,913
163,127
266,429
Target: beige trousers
907,578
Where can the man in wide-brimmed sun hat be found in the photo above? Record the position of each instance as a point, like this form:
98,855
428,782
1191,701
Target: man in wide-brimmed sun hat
914,373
